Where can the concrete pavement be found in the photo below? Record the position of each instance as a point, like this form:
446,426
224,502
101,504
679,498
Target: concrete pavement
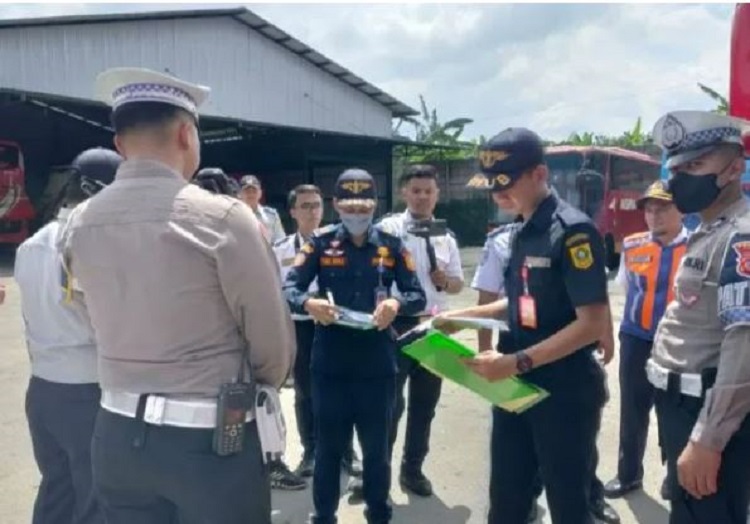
457,463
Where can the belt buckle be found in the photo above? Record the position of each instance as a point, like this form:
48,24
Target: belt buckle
155,409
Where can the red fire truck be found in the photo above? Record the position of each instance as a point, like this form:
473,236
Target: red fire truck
16,211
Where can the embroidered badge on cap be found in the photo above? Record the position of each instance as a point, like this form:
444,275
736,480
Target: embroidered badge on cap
502,180
672,132
383,251
488,157
581,256
356,186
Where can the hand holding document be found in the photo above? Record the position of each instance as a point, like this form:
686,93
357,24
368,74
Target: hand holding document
446,357
450,325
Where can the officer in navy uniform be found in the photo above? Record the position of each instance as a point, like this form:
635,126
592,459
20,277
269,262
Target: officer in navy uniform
353,370
700,364
305,205
557,310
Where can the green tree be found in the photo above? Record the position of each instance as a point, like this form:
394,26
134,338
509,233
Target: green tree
722,104
628,139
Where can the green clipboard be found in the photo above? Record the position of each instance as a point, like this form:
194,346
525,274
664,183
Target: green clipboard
440,354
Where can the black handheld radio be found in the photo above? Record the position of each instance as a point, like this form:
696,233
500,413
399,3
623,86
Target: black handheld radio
234,401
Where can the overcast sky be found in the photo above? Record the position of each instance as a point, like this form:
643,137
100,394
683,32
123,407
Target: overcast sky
553,68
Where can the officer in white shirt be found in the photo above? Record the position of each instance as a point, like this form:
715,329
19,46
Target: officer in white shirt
419,189
63,395
251,193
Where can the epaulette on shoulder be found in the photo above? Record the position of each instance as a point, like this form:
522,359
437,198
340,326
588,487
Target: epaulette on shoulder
388,215
500,229
569,215
388,235
636,239
281,241
271,210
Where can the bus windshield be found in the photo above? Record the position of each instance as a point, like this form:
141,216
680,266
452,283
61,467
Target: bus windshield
628,174
8,156
579,178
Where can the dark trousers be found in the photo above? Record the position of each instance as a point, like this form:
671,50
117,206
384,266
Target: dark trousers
636,401
341,404
596,491
677,415
304,331
557,438
303,405
61,422
424,394
146,474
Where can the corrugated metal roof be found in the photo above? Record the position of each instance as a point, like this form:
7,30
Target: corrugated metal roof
251,20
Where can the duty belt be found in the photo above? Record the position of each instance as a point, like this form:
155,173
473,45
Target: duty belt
163,411
690,384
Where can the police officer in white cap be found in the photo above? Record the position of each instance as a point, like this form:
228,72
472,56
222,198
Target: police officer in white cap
701,355
169,275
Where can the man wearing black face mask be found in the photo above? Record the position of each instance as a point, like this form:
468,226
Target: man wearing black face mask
701,356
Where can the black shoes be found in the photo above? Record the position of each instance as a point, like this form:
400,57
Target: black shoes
614,489
414,481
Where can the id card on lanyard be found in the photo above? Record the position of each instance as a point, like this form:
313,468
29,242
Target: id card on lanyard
381,292
526,303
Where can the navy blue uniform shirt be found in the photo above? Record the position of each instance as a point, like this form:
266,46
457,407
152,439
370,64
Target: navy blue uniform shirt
353,274
563,254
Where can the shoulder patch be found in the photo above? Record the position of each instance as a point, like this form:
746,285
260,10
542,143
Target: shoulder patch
581,256
577,239
734,282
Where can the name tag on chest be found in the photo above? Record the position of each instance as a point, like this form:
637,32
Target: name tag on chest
696,264
539,262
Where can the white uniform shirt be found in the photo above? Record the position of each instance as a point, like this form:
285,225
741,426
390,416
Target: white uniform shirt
271,220
447,257
285,250
59,335
489,275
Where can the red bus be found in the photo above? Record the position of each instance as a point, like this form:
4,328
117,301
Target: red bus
604,183
16,211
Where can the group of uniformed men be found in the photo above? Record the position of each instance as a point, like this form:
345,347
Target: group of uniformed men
159,334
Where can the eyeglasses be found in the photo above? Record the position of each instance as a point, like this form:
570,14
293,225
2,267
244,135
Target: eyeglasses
310,206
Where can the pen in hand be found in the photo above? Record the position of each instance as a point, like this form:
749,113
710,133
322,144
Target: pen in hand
329,295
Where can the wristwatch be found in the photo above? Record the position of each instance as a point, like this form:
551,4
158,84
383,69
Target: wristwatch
524,363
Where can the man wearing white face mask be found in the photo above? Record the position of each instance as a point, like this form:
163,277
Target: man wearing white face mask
353,370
